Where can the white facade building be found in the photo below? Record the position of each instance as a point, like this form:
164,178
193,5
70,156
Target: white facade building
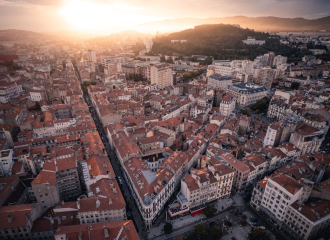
247,93
6,162
253,41
227,104
161,75
92,56
219,82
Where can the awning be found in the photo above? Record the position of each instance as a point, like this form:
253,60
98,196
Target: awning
197,211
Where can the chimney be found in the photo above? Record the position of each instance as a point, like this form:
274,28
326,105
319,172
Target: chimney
59,220
104,165
63,202
110,201
114,190
98,203
51,219
10,218
90,227
106,233
79,236
78,203
127,227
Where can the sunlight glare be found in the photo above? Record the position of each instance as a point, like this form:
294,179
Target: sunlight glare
86,15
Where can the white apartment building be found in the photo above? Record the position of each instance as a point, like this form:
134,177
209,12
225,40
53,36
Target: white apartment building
253,41
279,60
318,51
247,93
148,44
227,104
273,135
9,90
91,56
204,186
307,138
265,76
225,70
161,75
6,162
219,81
280,192
37,95
307,221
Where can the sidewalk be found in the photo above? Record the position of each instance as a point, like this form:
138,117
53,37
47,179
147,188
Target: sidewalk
189,219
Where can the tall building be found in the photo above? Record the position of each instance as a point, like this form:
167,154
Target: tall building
271,56
91,56
148,44
161,75
280,192
265,76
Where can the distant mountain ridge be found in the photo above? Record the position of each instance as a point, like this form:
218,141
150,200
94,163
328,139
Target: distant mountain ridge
11,35
275,24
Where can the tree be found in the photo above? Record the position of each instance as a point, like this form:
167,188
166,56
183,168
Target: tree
295,85
246,111
168,228
200,231
261,104
209,211
228,223
215,233
52,71
258,234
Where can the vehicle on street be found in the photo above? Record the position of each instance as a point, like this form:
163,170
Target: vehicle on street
254,220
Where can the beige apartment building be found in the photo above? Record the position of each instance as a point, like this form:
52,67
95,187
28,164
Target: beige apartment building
161,75
265,76
307,221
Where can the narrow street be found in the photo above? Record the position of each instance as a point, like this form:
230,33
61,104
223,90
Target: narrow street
131,208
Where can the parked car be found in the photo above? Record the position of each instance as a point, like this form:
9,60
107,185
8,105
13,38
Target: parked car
254,220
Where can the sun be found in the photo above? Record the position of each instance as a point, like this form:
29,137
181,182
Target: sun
85,15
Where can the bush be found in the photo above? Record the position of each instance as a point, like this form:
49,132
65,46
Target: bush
209,211
246,111
258,234
168,228
201,231
228,223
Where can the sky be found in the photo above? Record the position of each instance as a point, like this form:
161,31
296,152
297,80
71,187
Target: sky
106,16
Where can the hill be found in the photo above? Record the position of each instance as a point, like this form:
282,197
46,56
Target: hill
220,41
259,23
13,35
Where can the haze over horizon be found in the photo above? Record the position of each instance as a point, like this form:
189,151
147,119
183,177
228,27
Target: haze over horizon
108,16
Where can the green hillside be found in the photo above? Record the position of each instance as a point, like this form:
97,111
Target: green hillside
220,41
